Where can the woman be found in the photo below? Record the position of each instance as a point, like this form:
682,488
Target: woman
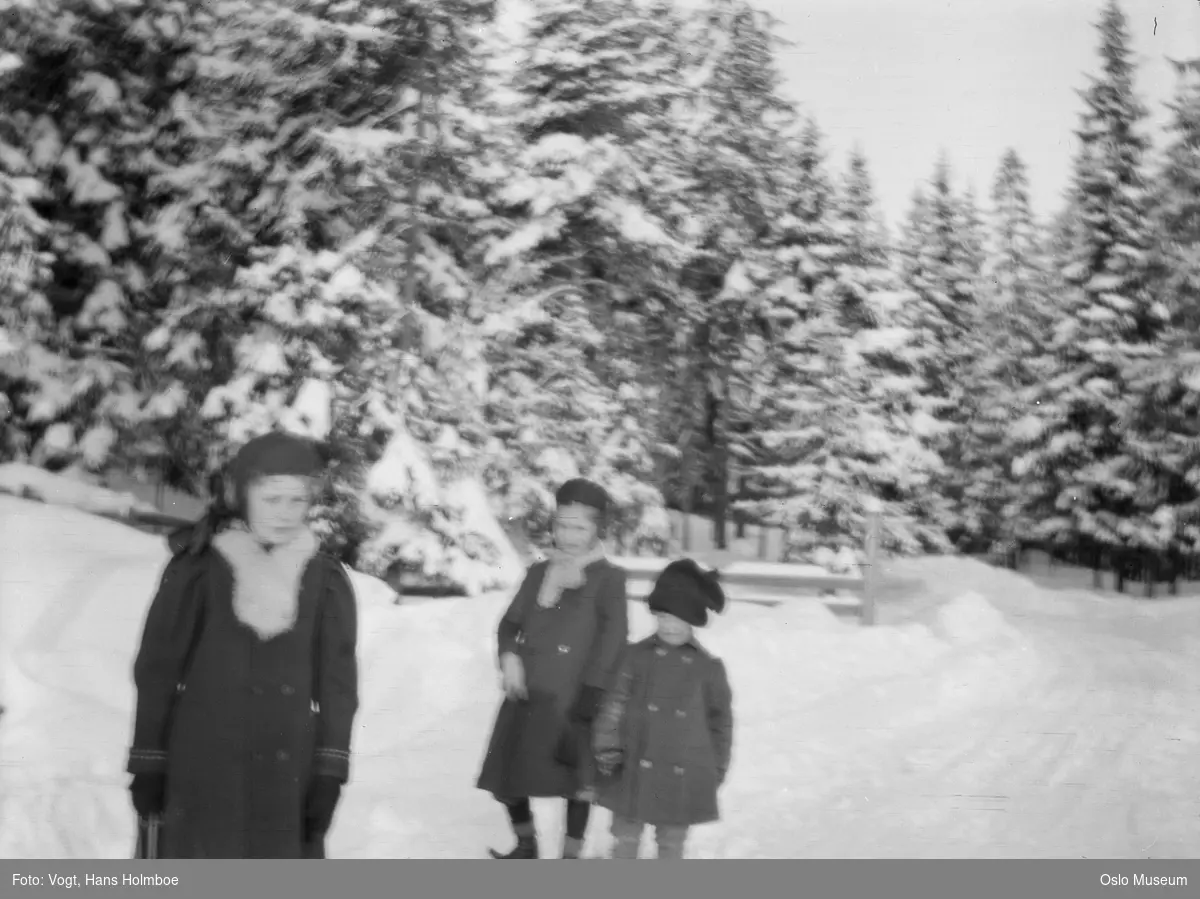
559,643
246,677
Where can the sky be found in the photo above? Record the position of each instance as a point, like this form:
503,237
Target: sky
908,79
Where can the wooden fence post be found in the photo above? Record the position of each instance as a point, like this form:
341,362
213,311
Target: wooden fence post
871,567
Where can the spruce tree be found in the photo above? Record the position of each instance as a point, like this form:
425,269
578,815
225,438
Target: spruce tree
940,255
1177,209
585,246
1015,262
799,388
89,106
845,425
1089,475
885,403
324,235
1165,390
735,120
1011,325
862,265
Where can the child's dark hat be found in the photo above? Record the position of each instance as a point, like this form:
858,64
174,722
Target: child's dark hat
688,592
272,455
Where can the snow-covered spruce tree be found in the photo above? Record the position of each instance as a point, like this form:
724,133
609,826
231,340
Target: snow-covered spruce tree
936,256
863,262
589,240
87,94
734,122
877,433
548,410
974,233
300,254
23,317
1177,209
786,483
1164,390
1011,325
1089,477
1014,271
938,264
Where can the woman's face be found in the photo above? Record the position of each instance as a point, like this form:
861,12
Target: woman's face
277,507
575,528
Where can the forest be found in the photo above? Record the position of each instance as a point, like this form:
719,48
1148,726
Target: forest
615,249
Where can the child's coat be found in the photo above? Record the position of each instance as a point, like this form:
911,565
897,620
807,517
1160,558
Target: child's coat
670,713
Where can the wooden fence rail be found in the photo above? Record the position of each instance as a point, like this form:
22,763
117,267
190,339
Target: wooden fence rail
774,583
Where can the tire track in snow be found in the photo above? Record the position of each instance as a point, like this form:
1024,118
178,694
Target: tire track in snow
1083,763
851,733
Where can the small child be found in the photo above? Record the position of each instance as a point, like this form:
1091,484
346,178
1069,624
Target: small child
664,737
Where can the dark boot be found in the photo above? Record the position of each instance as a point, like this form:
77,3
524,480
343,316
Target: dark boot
572,847
527,845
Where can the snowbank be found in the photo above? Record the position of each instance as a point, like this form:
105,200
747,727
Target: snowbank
74,590
17,479
969,619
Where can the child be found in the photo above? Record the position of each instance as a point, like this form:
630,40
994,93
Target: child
246,675
664,737
558,646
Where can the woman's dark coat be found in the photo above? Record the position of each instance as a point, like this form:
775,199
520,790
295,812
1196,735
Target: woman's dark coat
573,644
239,724
670,714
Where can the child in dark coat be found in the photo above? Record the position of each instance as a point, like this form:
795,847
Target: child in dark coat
558,647
664,737
247,672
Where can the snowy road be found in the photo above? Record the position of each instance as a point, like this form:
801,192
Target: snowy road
1075,735
1095,757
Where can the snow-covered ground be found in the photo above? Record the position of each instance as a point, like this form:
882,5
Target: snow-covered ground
984,717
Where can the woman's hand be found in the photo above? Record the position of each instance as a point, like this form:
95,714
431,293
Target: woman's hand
512,676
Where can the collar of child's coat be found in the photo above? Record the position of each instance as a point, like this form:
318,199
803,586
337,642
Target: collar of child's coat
240,543
690,643
266,583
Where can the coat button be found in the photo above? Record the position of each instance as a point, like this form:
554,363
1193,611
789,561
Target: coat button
678,769
687,660
564,649
282,756
646,763
652,707
661,652
286,690
680,713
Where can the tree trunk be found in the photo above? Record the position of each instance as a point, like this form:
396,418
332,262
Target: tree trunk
414,189
718,468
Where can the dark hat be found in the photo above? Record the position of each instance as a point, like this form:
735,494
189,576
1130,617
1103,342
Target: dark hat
584,493
687,591
271,455
581,491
